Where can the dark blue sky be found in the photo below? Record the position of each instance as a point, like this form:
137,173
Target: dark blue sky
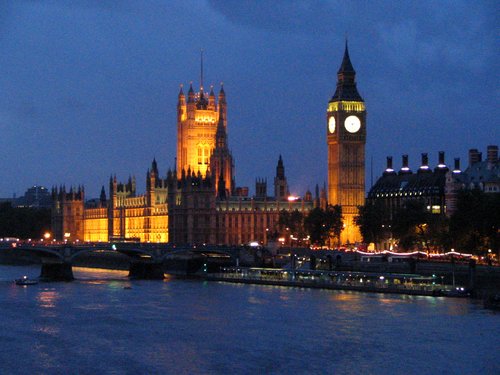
89,88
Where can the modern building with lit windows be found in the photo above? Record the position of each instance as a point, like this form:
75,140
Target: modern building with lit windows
437,187
427,184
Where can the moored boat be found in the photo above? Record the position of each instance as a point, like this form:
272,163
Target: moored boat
26,281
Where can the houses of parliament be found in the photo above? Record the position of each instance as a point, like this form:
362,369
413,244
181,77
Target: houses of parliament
198,202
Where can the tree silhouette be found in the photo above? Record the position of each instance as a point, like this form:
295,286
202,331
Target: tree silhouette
23,222
373,221
324,224
475,225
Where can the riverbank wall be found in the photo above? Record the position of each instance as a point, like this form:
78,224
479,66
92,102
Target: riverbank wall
486,278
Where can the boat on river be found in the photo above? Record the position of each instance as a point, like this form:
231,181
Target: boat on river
26,281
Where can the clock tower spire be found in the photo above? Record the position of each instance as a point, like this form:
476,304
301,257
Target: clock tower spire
346,138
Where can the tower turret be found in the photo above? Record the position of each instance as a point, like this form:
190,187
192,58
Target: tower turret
202,100
191,93
154,167
211,99
181,105
260,188
220,134
102,197
191,105
280,183
150,185
221,160
222,103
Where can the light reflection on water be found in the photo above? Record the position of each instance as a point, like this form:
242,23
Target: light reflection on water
47,298
95,325
96,273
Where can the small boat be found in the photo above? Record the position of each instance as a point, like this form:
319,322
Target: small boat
26,281
457,292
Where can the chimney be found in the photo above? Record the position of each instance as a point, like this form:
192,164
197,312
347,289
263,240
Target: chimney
474,156
405,169
441,167
424,167
441,164
388,169
492,152
457,166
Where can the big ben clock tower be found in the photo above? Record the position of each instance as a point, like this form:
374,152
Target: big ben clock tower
346,138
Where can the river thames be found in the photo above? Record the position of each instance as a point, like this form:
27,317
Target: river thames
103,323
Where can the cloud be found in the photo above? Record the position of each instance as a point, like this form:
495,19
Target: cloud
432,32
280,15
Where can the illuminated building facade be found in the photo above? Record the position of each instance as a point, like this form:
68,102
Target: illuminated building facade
200,212
202,136
346,138
198,201
123,216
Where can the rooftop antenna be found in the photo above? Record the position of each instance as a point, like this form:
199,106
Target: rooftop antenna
201,80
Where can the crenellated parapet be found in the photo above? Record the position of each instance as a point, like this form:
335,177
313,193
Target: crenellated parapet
73,194
67,212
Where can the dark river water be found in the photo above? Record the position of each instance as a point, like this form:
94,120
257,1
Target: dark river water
102,323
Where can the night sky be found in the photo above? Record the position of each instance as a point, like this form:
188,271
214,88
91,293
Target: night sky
89,88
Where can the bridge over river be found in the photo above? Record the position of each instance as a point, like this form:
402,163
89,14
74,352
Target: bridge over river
146,260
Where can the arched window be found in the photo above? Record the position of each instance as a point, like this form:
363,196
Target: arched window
203,154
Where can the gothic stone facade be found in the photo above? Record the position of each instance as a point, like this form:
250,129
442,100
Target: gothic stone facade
346,138
198,202
196,205
124,216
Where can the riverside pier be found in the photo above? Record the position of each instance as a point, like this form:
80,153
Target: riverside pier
411,284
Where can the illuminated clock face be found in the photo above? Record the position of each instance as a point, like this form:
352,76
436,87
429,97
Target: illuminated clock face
352,124
331,124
